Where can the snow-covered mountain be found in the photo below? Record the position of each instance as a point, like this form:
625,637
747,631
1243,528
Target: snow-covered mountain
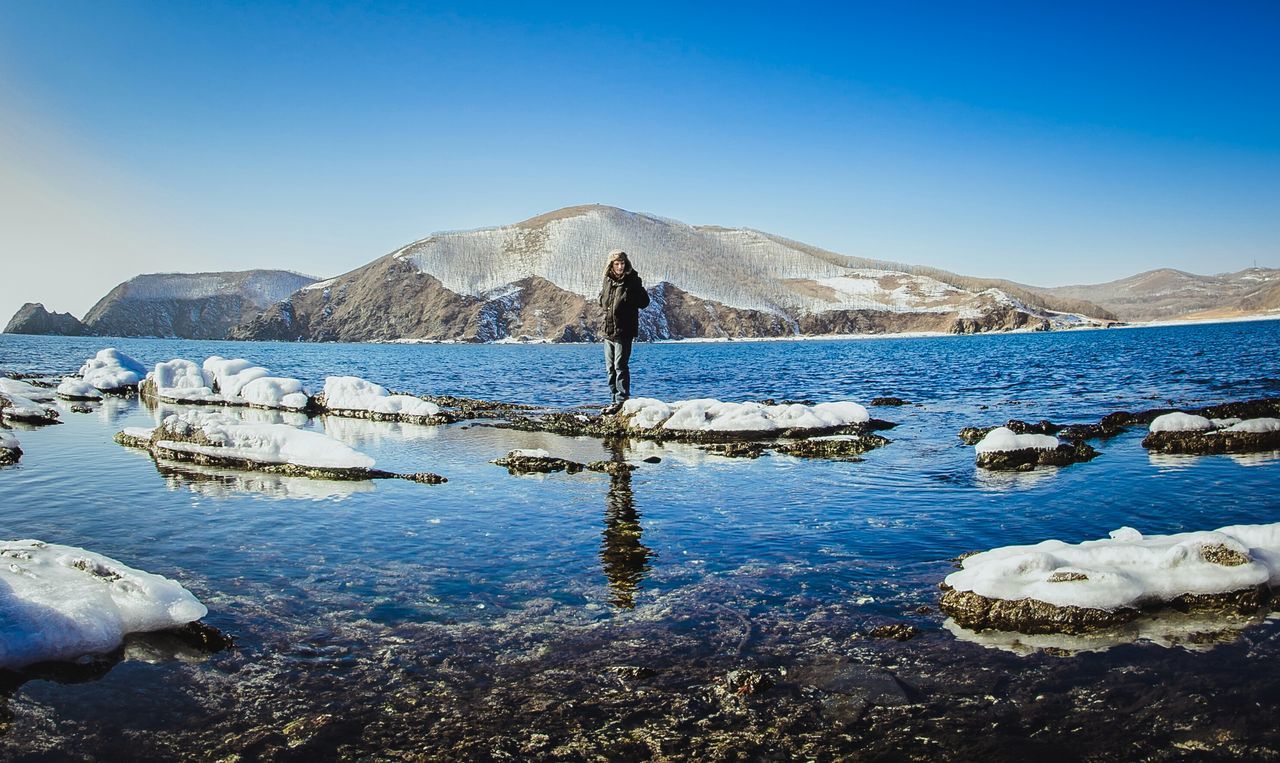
189,305
539,279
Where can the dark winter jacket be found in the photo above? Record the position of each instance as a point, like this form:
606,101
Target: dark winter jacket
622,302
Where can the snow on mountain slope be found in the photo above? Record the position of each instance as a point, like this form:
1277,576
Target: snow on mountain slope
740,268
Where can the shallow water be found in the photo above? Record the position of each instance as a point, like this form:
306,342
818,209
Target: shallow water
341,595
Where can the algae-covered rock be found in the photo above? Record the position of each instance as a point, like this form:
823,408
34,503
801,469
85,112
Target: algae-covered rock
1026,459
977,612
836,447
536,462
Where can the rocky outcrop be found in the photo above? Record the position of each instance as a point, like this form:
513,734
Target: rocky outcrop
189,305
1211,442
32,318
1026,459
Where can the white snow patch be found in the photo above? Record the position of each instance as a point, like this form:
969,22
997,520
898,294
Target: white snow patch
8,440
1126,570
351,393
528,453
63,602
78,388
1180,422
1255,426
1004,439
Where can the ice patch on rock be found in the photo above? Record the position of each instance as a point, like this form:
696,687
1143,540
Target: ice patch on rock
1003,439
1126,570
1180,422
710,415
63,602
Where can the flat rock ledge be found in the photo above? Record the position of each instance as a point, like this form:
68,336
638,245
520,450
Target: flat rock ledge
1211,442
45,417
582,424
1026,459
162,453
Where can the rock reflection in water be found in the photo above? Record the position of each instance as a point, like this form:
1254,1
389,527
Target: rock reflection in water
622,554
1197,633
1000,482
220,483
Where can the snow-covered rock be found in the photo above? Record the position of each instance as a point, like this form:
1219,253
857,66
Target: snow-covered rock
19,408
220,381
63,602
111,370
353,396
1058,586
1180,422
1197,435
1003,439
27,390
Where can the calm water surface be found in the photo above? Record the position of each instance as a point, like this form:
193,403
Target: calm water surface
324,583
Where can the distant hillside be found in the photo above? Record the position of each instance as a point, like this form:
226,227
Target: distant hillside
1167,294
189,305
538,279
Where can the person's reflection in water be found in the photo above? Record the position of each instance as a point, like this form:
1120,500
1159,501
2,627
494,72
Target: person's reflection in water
624,558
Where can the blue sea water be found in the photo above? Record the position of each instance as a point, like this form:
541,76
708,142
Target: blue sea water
327,576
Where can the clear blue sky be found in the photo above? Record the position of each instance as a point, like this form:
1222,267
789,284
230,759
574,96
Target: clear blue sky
1046,143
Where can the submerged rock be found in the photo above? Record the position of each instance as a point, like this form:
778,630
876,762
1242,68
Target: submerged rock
888,401
895,631
736,449
424,478
472,408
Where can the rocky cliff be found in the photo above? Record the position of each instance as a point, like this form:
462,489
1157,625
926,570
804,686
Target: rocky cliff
190,305
538,280
32,318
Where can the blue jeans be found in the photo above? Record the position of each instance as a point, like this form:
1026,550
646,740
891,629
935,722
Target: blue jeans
617,355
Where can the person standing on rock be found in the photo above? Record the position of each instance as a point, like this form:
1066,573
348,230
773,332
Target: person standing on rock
622,297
